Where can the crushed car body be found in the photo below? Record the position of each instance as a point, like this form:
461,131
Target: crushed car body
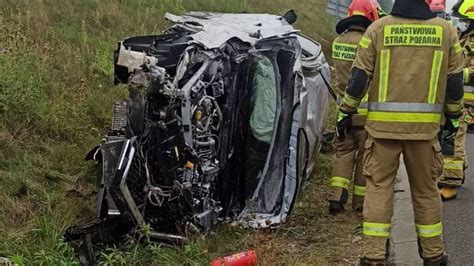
224,115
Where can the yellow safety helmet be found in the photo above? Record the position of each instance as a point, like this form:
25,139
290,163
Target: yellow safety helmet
464,9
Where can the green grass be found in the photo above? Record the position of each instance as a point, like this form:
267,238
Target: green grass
56,98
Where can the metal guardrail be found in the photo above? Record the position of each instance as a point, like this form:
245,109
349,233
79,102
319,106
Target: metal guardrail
338,8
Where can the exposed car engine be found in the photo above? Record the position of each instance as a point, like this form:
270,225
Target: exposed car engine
177,155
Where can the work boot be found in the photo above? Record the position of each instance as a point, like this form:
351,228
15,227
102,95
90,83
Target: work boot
370,262
448,193
335,207
441,260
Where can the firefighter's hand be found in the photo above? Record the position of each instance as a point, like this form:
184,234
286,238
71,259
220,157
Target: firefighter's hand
343,125
452,125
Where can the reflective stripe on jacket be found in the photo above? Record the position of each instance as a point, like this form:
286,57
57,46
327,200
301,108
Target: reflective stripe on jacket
408,62
344,50
467,42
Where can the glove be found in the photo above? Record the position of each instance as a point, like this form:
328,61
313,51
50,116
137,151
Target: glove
452,125
344,124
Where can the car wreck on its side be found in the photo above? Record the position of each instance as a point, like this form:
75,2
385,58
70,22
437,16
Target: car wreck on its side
225,112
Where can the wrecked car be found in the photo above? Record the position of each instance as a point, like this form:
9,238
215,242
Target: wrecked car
224,115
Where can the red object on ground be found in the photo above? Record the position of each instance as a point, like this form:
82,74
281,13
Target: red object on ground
246,258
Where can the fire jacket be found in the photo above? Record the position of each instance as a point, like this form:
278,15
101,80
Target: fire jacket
344,50
414,68
467,42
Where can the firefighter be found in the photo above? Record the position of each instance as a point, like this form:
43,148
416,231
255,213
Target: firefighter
413,62
347,159
455,160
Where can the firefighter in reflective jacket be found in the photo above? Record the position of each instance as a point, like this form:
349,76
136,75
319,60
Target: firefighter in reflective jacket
455,160
347,159
413,62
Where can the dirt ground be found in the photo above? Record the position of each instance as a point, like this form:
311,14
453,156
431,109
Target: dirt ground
312,235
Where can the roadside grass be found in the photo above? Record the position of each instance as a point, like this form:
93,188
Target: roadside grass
56,96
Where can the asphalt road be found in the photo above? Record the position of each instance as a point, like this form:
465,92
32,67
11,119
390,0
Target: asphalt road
459,217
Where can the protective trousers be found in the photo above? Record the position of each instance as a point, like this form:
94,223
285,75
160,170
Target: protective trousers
454,155
424,165
346,163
